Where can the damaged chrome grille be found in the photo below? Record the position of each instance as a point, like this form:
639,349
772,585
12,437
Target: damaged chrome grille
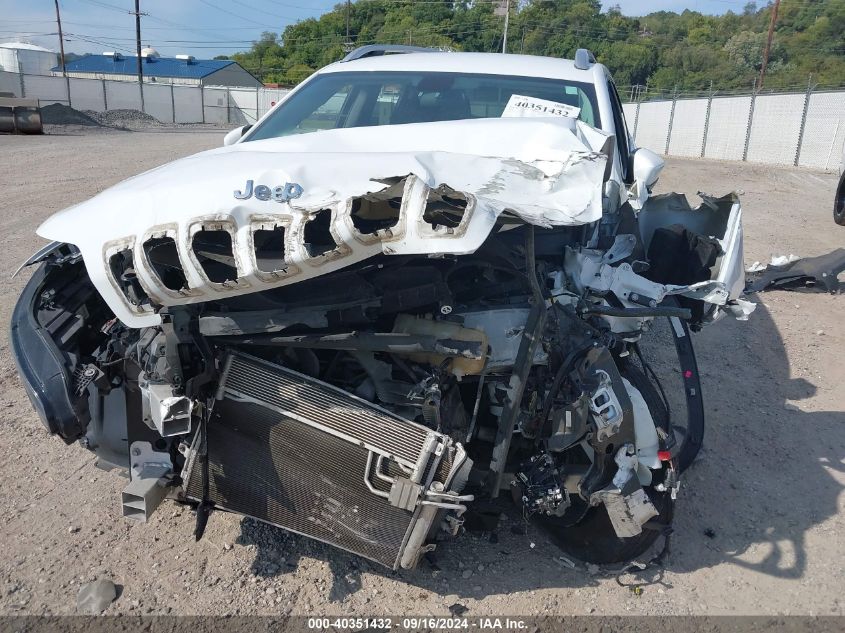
305,456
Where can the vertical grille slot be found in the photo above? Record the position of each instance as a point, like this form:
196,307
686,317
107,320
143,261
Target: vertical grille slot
269,246
163,258
215,254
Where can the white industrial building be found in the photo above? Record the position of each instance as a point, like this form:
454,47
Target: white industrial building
22,57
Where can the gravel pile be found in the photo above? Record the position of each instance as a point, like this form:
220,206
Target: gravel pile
60,114
123,118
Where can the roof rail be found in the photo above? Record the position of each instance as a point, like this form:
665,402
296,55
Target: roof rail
584,59
374,50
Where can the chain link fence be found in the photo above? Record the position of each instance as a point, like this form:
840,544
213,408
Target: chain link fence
804,129
169,103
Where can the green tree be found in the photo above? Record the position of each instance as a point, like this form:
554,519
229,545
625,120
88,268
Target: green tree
665,50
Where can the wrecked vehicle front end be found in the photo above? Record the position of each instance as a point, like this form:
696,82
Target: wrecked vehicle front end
358,345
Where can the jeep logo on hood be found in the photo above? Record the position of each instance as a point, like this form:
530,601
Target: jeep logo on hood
281,193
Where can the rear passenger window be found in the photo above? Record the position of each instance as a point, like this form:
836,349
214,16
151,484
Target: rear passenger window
621,128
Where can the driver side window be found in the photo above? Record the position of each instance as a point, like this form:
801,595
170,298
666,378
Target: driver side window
326,116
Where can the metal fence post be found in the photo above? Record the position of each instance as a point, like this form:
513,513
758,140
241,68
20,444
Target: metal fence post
228,105
202,101
23,85
671,119
257,97
750,121
105,96
807,96
637,119
172,103
707,121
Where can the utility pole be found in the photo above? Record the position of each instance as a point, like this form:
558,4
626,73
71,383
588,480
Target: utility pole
769,43
138,15
507,18
347,45
138,41
61,38
503,7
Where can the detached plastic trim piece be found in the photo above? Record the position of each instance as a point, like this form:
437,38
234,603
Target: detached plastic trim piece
42,367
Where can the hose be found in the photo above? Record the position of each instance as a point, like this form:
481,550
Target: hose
565,367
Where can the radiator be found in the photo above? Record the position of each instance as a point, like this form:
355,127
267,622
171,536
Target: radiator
308,457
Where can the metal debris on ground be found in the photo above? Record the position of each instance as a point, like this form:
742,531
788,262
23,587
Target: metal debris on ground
564,560
95,597
777,260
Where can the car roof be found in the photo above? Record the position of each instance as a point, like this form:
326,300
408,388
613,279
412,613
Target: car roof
479,63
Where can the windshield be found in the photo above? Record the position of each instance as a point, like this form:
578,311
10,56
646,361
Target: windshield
362,99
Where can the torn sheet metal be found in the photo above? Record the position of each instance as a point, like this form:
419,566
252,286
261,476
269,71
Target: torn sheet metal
547,172
822,271
719,218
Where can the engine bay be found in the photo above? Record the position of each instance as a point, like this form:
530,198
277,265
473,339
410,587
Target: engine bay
372,406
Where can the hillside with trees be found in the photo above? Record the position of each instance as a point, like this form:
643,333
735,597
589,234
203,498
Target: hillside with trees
664,51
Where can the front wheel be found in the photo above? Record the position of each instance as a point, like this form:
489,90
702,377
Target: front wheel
839,202
592,539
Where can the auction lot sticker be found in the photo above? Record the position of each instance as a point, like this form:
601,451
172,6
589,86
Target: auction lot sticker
520,106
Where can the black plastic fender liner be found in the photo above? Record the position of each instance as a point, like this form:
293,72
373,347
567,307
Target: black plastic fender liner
823,271
687,450
42,365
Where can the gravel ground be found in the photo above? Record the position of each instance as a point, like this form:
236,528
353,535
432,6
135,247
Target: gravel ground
759,522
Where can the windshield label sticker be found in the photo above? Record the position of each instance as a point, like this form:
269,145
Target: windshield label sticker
521,106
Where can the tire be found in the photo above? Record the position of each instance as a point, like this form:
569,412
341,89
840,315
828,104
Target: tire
593,538
839,202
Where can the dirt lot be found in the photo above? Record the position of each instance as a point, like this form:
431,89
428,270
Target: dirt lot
759,524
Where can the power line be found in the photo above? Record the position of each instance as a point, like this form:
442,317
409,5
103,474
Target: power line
106,5
227,12
254,9
91,40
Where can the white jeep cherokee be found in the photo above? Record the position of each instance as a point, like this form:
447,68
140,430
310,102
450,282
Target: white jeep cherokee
419,281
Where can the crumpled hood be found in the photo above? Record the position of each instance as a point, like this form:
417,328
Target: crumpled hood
548,172
559,160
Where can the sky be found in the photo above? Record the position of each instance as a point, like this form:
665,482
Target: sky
205,28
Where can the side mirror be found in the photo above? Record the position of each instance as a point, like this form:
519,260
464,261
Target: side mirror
235,135
646,167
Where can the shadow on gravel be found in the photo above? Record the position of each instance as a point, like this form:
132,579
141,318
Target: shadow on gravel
763,480
768,471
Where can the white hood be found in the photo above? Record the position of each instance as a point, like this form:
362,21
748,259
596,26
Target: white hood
548,172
